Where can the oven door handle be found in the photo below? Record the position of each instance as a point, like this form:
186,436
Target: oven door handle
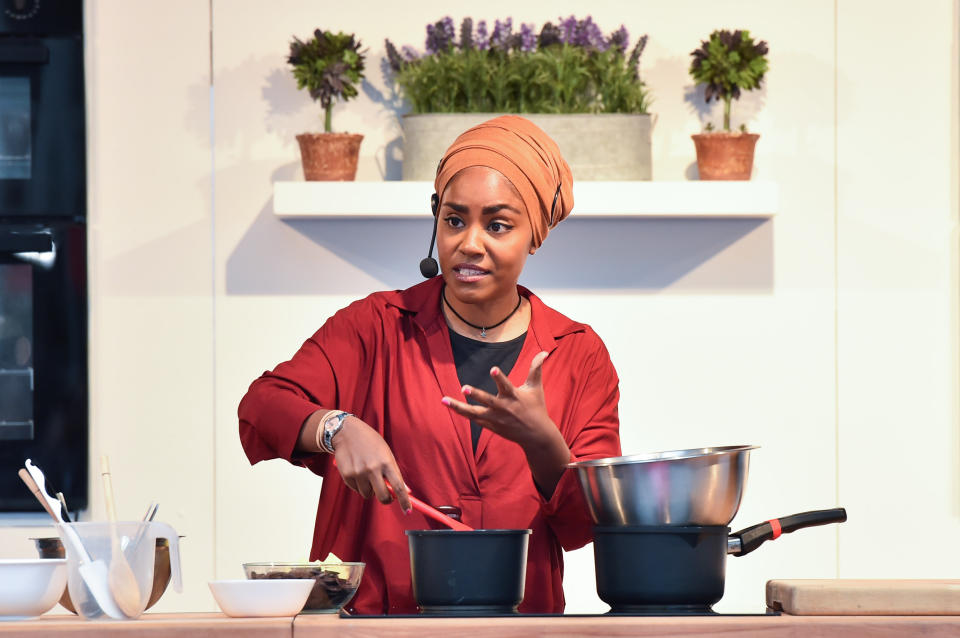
14,242
20,52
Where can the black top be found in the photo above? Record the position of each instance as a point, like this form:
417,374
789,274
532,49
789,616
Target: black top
475,358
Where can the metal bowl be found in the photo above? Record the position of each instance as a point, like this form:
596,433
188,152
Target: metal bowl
700,486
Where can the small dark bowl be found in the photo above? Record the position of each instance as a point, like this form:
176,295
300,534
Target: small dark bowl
52,547
483,571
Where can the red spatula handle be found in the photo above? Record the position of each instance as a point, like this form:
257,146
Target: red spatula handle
435,514
426,510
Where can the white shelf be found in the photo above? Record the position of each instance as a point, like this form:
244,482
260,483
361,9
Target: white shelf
396,199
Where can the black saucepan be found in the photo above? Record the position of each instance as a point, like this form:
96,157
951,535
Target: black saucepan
656,568
462,573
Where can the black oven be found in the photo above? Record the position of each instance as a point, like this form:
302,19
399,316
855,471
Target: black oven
42,150
43,250
43,359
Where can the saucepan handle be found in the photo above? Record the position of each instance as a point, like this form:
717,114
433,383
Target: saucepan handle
750,538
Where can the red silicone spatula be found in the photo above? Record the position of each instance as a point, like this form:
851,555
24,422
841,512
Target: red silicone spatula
427,510
433,513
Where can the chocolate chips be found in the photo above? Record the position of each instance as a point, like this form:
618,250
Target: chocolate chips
329,590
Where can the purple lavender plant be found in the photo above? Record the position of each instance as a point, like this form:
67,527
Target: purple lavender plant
466,34
634,61
500,39
593,82
568,29
393,57
528,37
448,30
550,34
582,35
620,39
588,35
483,37
440,36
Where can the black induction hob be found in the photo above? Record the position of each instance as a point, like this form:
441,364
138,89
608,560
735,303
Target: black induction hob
501,614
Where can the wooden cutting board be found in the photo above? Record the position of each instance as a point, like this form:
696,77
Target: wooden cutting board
848,597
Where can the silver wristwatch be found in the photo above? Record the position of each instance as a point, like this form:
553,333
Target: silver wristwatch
331,427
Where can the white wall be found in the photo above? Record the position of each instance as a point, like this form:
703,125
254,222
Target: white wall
897,330
827,336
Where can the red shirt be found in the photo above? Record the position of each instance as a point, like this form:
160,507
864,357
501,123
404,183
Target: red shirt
387,359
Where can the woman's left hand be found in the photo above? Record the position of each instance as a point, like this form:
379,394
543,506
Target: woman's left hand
515,413
520,415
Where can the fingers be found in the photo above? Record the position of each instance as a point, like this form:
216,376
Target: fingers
479,396
535,376
358,485
472,412
381,485
379,488
367,465
400,491
504,387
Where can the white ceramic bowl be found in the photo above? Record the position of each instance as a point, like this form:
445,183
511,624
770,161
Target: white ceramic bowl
30,586
260,598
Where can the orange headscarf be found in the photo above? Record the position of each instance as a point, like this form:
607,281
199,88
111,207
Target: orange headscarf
525,155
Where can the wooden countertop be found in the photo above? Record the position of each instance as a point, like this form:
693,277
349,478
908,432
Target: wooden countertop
673,626
212,625
316,626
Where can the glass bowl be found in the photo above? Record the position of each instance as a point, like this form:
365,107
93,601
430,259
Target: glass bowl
334,586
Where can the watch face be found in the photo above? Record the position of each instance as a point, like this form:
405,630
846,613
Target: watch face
331,424
330,428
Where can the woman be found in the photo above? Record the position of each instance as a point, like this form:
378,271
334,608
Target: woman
465,389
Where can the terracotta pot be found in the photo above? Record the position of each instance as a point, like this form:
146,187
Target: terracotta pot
329,156
725,155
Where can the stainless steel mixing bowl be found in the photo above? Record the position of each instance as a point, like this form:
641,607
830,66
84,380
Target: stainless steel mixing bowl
700,486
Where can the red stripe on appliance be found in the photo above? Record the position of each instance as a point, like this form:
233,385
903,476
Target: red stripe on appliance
775,526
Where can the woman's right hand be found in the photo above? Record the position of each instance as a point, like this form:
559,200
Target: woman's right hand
366,463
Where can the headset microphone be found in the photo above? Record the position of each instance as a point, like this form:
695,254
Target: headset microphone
429,266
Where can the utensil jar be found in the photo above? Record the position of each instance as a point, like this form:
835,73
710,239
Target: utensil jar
138,542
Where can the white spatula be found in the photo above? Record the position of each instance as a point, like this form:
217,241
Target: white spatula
93,572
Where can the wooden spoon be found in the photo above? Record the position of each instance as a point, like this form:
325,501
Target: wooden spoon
32,486
122,580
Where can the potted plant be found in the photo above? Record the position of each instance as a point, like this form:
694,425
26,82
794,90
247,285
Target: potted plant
582,87
727,63
329,66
